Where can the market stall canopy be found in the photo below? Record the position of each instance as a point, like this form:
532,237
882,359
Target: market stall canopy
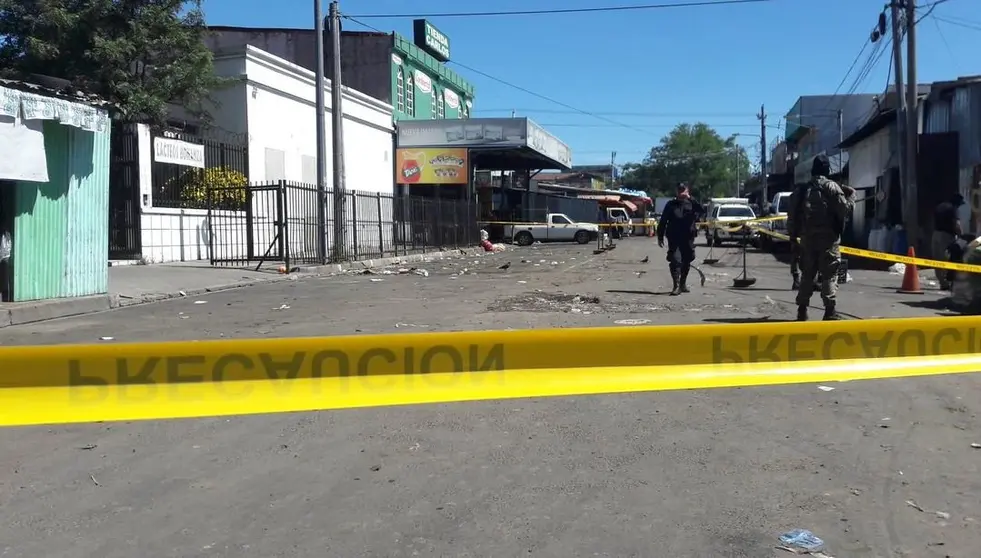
494,143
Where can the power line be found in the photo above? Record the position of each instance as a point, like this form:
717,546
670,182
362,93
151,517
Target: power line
524,89
634,114
662,126
689,4
964,24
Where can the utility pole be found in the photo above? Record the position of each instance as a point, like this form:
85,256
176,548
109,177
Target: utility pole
897,57
763,181
337,129
318,18
613,163
841,138
912,126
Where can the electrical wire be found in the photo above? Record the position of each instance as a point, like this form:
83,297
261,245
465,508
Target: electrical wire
689,4
662,126
964,24
526,90
634,114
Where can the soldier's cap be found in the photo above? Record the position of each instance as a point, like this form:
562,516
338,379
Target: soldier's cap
682,186
821,166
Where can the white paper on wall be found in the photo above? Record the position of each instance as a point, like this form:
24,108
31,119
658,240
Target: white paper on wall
22,155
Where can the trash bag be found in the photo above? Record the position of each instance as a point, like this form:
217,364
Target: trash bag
6,247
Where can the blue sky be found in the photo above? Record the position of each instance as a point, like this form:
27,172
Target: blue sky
652,69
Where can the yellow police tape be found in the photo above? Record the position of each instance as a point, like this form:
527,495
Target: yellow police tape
84,383
894,258
647,223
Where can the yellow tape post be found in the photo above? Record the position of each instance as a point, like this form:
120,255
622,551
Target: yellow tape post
893,258
84,383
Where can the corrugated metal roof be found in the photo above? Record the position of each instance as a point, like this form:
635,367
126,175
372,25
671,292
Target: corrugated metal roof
67,93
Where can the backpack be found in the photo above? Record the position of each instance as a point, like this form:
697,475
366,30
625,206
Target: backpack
814,206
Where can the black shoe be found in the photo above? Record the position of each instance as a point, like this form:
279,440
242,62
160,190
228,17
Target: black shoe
683,283
802,313
830,314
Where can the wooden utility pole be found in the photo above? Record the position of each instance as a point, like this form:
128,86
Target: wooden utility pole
912,127
763,181
897,60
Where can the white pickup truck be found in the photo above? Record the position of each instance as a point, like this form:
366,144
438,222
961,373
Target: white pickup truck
724,223
557,228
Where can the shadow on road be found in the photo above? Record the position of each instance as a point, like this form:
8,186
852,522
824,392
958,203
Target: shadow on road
651,293
764,319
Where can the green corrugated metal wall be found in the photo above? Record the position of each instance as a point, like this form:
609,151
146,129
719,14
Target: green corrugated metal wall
61,227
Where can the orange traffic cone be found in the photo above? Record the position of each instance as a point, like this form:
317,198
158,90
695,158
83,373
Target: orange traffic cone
911,279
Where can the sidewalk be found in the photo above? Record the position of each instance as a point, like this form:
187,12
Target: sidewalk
140,284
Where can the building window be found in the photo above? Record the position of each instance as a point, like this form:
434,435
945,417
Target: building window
400,90
464,111
441,105
410,97
432,103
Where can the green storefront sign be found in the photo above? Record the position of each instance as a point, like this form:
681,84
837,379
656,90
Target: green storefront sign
432,40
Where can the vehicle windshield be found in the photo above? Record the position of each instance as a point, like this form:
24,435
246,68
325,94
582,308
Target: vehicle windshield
736,211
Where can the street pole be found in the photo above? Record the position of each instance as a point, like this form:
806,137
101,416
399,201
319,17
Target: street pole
762,116
897,58
318,18
337,129
912,125
738,186
613,162
841,138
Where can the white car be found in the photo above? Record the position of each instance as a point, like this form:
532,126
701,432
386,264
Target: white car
724,218
778,208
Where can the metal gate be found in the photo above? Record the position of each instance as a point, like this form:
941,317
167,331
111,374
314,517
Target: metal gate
125,242
273,222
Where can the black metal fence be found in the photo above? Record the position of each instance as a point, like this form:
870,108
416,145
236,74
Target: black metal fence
226,171
125,240
280,223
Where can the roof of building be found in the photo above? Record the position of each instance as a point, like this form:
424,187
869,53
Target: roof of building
57,88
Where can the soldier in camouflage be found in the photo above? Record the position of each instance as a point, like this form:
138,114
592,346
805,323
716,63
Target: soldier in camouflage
816,220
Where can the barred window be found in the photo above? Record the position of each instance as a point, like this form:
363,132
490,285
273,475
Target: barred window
400,91
410,97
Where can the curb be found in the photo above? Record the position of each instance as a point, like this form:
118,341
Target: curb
41,311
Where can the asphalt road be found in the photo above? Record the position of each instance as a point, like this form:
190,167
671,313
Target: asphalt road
715,473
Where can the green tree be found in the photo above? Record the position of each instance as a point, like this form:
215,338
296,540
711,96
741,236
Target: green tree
695,154
138,54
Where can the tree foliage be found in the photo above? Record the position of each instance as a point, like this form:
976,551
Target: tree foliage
695,154
138,54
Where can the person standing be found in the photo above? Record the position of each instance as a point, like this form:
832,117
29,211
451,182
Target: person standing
816,222
947,226
679,223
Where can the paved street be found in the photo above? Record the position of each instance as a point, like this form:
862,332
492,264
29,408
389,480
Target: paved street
701,474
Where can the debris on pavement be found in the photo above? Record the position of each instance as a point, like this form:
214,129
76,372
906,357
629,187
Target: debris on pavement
88,447
919,508
897,269
283,307
802,539
976,445
200,302
632,322
826,388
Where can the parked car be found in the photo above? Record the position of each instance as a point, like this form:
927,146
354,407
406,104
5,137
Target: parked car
725,217
557,228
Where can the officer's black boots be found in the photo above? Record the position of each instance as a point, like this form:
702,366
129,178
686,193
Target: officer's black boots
796,285
802,313
683,282
676,282
830,314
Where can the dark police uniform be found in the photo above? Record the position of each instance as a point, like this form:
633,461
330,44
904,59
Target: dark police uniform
678,223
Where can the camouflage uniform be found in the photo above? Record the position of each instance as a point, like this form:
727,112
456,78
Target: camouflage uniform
817,220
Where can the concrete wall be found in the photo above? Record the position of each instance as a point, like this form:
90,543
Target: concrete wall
272,103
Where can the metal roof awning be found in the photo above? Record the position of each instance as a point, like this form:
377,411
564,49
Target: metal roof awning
494,143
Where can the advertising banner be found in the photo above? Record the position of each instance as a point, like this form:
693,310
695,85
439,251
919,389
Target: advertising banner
433,165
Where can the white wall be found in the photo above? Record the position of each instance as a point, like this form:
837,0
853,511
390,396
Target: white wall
868,159
272,103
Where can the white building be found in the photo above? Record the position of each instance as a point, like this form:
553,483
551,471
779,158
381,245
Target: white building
271,102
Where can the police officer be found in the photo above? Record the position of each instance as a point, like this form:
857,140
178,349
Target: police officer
816,221
679,221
